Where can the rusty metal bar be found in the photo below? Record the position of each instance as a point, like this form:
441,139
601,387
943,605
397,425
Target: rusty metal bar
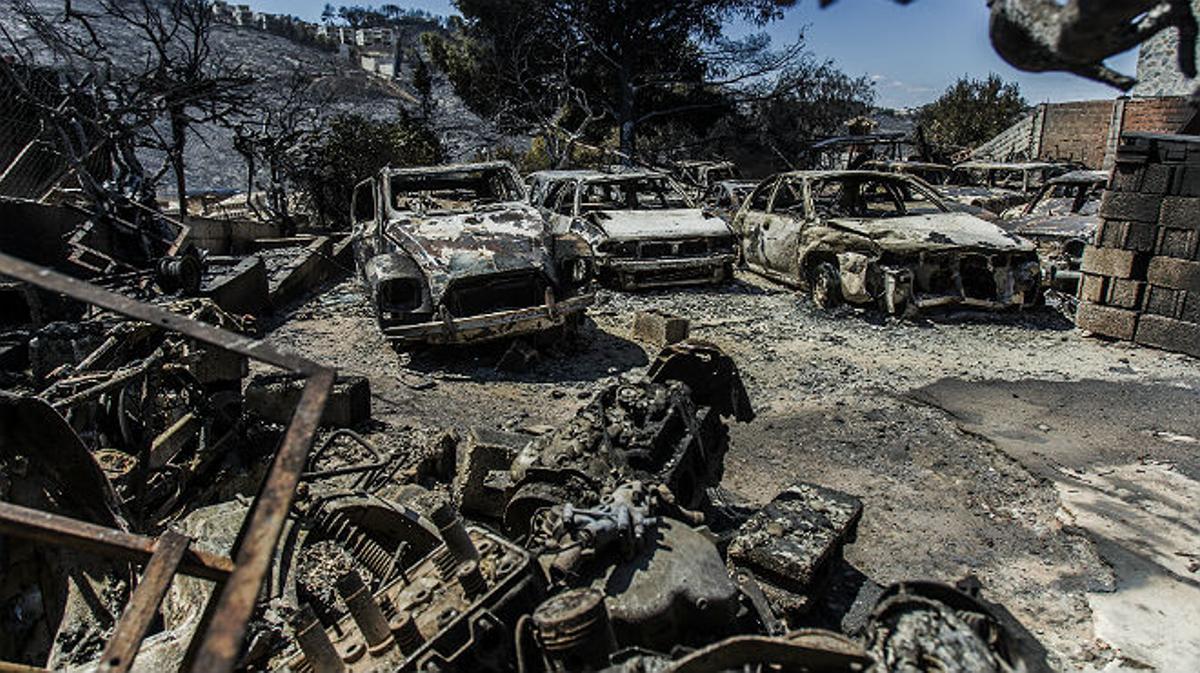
222,641
54,281
135,621
39,526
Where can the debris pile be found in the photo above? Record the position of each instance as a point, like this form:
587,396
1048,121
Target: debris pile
604,544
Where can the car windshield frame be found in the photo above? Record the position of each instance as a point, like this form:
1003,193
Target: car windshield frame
669,190
505,188
898,187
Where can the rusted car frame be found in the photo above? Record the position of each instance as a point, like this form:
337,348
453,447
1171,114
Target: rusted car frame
877,238
454,254
643,230
217,644
1061,220
697,177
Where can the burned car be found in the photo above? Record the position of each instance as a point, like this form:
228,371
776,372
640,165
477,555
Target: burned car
865,237
643,230
725,198
698,177
452,254
1061,221
998,186
950,184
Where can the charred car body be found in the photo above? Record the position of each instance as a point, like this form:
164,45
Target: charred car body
998,186
698,177
725,198
643,230
1061,221
453,254
865,237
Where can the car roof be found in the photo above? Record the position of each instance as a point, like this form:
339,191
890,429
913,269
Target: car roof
1013,166
448,168
1080,177
588,175
819,174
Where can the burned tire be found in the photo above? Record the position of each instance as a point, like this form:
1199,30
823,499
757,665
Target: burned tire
825,286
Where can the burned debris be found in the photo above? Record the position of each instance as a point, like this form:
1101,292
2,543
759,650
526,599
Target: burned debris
452,254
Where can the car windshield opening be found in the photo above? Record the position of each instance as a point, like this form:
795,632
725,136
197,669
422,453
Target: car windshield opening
632,194
453,191
871,198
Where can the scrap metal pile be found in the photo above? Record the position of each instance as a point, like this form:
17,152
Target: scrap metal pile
605,544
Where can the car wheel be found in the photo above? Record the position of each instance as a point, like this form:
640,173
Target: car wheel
826,286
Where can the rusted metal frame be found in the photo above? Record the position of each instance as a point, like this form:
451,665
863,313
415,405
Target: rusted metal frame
135,621
222,640
155,315
52,529
264,524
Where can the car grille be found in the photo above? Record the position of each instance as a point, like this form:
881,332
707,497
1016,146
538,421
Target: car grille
696,247
492,294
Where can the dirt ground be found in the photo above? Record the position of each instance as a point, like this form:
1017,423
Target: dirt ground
1060,470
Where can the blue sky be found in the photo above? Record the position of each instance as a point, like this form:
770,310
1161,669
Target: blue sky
912,53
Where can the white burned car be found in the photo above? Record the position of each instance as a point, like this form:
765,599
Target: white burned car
866,237
453,254
643,230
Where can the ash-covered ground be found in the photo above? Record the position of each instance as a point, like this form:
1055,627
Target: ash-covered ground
1060,470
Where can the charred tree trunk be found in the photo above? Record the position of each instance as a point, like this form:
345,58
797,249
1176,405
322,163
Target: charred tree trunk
178,140
628,110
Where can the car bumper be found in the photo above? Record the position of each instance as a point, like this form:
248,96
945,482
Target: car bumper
491,326
636,274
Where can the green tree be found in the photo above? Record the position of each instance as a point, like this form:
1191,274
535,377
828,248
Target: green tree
559,67
971,112
351,149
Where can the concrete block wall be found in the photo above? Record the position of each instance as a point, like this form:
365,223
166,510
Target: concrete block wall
1086,132
1142,277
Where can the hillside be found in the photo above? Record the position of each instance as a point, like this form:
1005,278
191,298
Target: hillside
211,161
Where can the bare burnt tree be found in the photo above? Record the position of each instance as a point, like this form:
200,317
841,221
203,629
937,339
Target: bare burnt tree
192,84
273,143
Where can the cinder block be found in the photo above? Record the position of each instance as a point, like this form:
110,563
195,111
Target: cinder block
1188,306
659,329
1107,321
1110,234
1161,301
482,453
1093,289
273,397
1156,179
1113,262
1182,212
1126,177
1179,274
1131,206
1178,243
1139,236
1185,181
1168,334
1125,293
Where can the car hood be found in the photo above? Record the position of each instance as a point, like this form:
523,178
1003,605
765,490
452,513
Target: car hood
658,224
938,231
495,239
1055,226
